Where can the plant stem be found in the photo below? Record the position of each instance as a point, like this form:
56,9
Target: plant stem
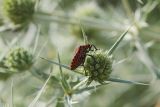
88,21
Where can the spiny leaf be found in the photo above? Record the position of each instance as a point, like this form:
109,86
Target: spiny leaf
32,104
66,86
60,68
80,84
12,99
115,45
43,76
56,63
36,39
9,27
90,88
43,46
125,81
84,34
62,65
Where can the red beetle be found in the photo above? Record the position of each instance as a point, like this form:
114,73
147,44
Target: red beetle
80,56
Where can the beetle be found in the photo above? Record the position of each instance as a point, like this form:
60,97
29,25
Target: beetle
80,55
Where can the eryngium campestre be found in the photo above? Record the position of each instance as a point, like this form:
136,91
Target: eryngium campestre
98,66
19,11
18,60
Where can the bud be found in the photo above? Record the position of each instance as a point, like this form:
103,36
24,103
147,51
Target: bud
18,60
86,11
19,11
98,66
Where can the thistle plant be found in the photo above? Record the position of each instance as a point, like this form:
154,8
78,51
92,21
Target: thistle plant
17,60
19,11
99,73
98,66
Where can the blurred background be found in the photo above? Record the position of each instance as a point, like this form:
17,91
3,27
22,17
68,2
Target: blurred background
59,24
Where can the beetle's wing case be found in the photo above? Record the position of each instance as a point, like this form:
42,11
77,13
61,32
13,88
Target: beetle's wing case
79,56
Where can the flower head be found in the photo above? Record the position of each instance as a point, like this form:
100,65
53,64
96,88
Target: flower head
19,11
18,60
98,66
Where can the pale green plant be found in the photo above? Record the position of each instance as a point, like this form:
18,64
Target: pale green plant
132,73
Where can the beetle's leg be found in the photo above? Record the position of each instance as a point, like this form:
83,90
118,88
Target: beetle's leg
95,47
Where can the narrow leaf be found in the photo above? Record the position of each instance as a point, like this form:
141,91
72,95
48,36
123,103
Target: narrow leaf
125,81
43,76
90,88
12,105
60,68
80,84
32,104
64,82
115,45
62,65
36,39
40,51
84,34
56,63
9,27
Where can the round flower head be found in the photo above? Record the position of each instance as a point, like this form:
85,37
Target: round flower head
98,66
86,11
19,11
18,60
